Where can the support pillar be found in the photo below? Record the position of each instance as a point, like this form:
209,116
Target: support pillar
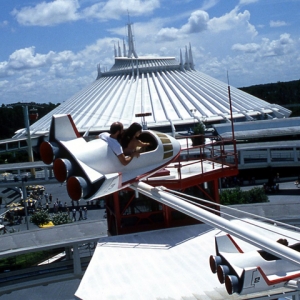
76,261
117,212
269,158
167,216
215,190
46,173
295,154
68,253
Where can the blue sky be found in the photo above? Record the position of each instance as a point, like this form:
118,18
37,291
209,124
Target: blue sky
50,49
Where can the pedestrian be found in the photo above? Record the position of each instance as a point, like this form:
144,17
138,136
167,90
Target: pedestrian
60,206
74,215
50,198
21,194
80,214
55,207
46,197
85,212
66,206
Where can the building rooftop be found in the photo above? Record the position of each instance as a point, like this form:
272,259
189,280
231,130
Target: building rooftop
165,264
171,92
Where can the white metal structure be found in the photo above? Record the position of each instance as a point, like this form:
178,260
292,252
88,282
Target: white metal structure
174,263
173,92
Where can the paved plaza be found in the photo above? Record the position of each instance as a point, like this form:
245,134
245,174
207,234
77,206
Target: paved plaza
288,196
95,210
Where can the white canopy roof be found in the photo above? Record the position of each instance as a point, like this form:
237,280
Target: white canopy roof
173,92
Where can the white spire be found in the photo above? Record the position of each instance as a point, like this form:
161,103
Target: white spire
119,50
131,50
186,64
124,48
99,71
115,50
181,61
191,60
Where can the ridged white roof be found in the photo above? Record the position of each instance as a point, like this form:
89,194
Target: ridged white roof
173,92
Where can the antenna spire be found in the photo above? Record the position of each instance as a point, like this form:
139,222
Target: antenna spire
131,50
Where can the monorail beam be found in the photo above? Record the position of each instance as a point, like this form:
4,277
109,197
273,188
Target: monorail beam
158,194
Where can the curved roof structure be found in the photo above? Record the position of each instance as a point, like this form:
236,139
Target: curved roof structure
160,91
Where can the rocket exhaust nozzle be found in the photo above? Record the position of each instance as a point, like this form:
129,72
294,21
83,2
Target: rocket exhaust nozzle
62,169
48,152
77,187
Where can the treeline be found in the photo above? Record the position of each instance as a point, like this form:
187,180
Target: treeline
12,117
282,93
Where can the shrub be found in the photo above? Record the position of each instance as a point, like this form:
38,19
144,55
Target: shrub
60,218
237,196
198,130
257,195
40,217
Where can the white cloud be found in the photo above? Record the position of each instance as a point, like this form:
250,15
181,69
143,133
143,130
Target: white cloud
246,2
62,11
277,23
26,61
209,4
282,46
26,58
3,23
116,8
197,22
247,48
168,34
48,13
232,20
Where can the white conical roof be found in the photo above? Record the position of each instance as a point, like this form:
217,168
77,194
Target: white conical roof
173,92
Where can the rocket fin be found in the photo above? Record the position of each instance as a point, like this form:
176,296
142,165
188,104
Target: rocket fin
225,243
90,172
112,183
63,128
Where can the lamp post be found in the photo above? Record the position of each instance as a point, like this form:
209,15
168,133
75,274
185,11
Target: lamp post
26,121
24,195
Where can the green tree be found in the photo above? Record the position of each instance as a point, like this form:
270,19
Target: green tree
12,118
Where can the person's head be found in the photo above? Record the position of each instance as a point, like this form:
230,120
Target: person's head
133,131
116,129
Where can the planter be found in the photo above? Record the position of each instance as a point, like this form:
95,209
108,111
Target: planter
199,140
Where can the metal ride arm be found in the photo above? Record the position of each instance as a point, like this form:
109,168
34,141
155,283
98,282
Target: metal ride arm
158,194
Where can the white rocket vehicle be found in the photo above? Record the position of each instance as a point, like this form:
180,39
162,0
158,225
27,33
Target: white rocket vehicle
253,271
91,169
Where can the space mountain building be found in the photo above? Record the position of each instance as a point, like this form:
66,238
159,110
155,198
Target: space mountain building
166,94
